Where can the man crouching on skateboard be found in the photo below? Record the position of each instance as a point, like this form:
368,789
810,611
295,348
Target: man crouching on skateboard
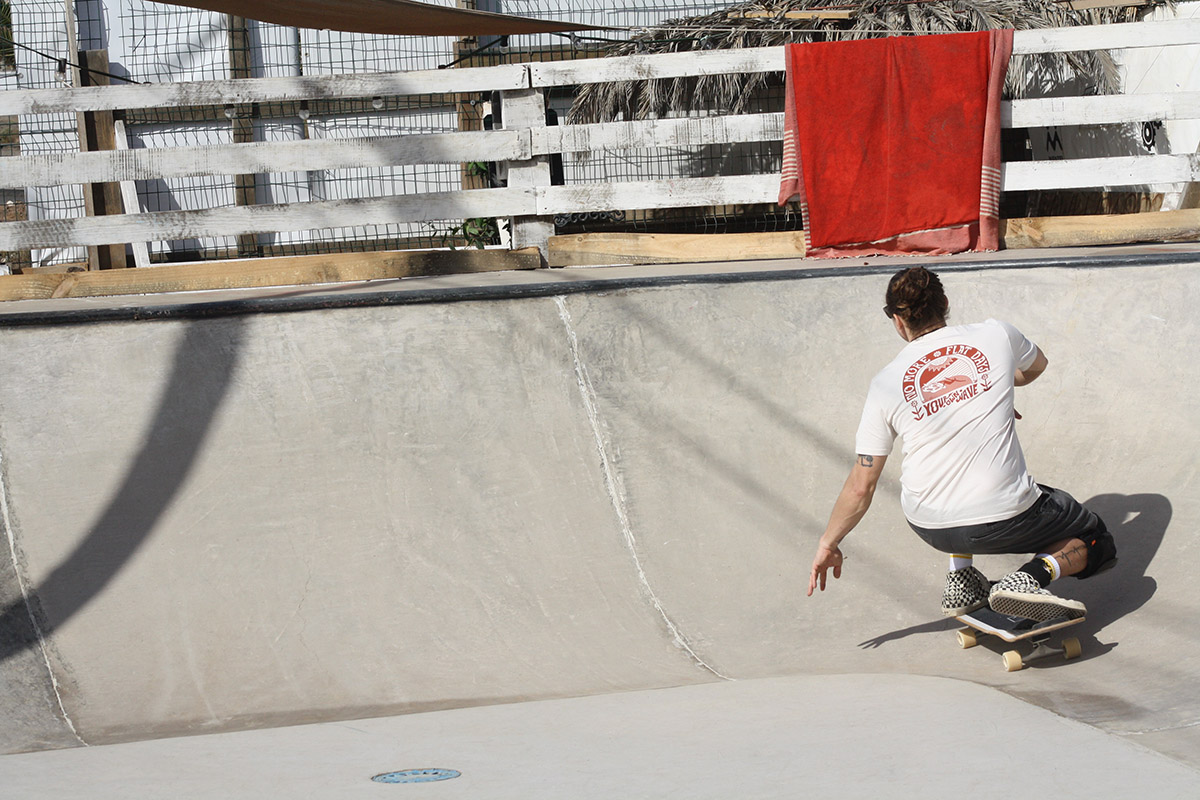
964,486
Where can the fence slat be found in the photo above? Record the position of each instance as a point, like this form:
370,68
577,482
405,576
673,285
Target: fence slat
1120,36
130,200
263,90
658,65
770,59
1099,110
1087,173
669,193
688,132
239,220
54,169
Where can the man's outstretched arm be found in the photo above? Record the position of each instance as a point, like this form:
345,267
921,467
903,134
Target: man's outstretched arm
852,503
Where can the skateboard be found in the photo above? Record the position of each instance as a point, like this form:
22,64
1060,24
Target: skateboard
1015,629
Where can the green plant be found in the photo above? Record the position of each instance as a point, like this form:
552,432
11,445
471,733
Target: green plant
477,232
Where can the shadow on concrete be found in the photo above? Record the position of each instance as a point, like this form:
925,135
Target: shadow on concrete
200,378
773,409
1138,523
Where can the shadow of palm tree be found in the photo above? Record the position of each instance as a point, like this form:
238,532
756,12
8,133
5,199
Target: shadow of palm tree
203,369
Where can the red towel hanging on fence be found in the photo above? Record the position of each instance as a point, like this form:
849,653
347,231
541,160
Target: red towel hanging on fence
893,145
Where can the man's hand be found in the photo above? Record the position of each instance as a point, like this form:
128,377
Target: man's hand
852,503
827,558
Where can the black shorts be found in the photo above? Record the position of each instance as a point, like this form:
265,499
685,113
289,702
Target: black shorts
1054,517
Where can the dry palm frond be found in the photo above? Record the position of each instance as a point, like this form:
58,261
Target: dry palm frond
762,23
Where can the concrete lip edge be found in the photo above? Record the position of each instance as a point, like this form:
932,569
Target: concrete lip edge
545,283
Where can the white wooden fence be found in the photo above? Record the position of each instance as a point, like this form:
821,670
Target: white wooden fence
525,144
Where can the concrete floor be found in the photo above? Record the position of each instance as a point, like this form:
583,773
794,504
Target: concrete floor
808,736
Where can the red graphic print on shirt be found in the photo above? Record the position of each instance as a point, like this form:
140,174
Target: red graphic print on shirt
946,376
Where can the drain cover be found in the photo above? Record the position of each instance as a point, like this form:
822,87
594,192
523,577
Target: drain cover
417,776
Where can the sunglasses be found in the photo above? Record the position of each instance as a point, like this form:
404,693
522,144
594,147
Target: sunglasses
889,312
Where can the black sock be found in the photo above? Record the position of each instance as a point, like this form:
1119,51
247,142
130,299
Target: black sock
1039,571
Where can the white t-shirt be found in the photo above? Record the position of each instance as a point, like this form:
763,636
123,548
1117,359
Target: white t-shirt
949,395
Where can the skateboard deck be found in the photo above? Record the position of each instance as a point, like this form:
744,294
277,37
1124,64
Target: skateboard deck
1016,629
1010,628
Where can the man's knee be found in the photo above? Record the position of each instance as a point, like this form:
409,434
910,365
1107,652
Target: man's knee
1102,552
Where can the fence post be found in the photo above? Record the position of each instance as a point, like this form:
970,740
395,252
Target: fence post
245,187
96,132
526,108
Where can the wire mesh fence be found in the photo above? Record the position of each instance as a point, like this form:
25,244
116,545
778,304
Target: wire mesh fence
156,42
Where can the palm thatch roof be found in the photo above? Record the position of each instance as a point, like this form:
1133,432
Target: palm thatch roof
767,23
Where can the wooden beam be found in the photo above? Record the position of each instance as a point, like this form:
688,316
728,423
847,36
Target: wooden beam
129,198
232,221
598,249
525,109
1101,229
263,90
242,120
1087,173
678,132
668,193
693,63
56,169
263,272
97,134
1118,36
290,109
1045,112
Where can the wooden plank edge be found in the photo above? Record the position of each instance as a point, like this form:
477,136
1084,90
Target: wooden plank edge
1100,229
600,249
265,272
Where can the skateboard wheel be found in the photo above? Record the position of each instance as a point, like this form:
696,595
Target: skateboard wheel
1071,648
1012,661
967,638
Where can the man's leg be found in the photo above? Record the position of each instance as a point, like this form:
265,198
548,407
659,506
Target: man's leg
1024,592
1073,541
1076,557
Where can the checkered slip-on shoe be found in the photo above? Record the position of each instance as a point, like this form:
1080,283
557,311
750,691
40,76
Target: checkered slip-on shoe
1019,595
966,591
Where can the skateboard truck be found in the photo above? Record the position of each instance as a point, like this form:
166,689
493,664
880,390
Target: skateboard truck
1040,648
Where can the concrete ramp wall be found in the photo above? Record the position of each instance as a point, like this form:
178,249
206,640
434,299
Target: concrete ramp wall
270,518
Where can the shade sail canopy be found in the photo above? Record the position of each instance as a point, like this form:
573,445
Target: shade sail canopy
405,17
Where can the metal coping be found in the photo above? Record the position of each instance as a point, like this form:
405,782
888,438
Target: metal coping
401,295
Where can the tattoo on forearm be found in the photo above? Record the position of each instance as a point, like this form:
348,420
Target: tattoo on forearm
866,461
